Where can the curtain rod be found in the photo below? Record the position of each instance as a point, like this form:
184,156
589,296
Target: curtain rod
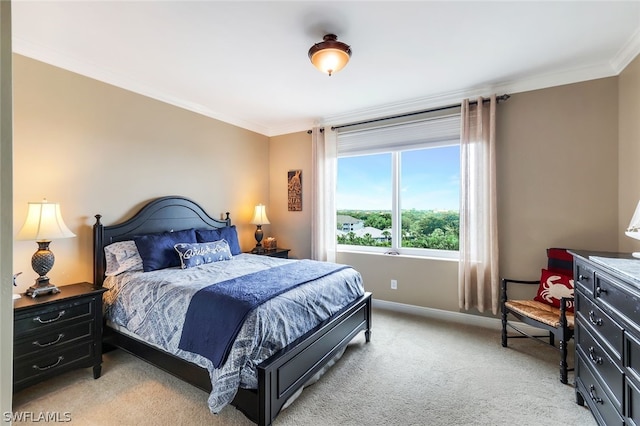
498,99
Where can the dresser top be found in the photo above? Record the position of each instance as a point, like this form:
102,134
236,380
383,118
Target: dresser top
622,265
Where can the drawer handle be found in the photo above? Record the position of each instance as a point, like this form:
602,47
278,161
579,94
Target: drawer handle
600,290
60,314
594,397
592,355
593,319
60,358
44,345
583,277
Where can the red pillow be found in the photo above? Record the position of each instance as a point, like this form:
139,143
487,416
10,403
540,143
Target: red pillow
554,286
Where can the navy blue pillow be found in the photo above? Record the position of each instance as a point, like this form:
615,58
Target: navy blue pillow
228,233
157,250
207,235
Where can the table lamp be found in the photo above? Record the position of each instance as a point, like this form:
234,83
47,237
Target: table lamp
259,219
43,224
633,231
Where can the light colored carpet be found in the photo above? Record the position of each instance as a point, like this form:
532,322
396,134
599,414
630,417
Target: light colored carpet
415,371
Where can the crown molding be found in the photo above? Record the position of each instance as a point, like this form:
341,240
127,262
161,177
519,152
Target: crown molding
627,53
524,84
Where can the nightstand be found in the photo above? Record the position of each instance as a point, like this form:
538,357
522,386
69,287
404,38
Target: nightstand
276,252
56,333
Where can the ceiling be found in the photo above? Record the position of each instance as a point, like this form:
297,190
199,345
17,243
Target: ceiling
246,63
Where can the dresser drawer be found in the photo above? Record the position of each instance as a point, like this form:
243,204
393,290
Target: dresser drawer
632,356
59,315
53,339
632,411
601,363
590,386
603,326
616,297
584,277
51,363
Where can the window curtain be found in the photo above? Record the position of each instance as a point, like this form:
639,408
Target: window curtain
323,206
478,279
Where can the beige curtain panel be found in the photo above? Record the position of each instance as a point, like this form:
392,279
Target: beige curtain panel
323,187
478,279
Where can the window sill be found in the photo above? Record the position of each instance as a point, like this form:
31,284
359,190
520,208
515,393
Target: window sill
452,258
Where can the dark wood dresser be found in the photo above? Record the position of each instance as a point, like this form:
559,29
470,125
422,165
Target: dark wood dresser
607,335
56,333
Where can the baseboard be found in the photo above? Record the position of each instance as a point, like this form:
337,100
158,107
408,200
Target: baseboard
456,317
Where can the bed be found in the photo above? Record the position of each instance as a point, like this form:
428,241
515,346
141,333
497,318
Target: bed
278,373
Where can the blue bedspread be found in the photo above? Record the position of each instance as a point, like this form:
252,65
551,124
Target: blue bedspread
211,332
151,307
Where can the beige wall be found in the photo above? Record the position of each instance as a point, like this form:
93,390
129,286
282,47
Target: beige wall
96,148
557,158
629,151
557,155
292,229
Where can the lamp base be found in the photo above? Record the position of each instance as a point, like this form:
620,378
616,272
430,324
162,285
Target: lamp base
42,287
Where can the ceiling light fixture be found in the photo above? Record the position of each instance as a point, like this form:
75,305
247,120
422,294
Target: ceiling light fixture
330,55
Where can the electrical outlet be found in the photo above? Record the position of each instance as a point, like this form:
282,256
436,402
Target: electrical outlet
394,285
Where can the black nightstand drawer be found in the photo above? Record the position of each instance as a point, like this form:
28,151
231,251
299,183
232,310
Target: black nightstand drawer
282,253
54,362
276,252
52,340
55,316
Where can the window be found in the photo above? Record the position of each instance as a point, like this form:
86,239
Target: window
398,188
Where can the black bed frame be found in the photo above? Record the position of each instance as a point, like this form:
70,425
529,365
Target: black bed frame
280,376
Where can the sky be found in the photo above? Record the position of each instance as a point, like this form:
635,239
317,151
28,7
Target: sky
430,180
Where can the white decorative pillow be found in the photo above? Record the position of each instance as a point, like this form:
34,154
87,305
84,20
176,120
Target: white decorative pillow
196,254
122,256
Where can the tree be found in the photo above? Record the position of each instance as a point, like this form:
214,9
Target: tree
419,229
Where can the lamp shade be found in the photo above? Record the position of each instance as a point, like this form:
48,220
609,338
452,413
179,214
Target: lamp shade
330,55
44,223
260,216
633,230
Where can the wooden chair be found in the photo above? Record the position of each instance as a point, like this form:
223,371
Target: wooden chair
558,321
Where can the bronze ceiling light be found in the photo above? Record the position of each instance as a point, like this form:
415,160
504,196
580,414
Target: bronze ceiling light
330,55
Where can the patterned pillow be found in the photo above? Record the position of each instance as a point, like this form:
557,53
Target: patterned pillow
554,286
156,250
196,254
122,256
228,233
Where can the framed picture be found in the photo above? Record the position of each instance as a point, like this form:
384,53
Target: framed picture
294,186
